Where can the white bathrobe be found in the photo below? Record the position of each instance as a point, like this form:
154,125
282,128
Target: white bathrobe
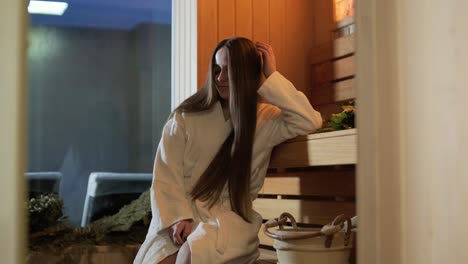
188,144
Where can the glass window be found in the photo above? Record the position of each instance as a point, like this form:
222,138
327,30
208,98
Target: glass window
99,93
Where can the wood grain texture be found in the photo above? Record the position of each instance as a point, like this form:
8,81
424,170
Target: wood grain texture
207,35
286,25
333,92
299,36
317,136
410,179
327,182
226,19
345,22
333,70
304,211
334,49
316,152
244,24
260,18
324,22
277,22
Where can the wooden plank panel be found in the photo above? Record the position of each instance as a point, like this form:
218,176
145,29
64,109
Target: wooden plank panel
333,92
299,38
278,31
343,46
317,136
328,182
226,19
325,151
323,21
304,211
338,48
345,22
207,35
253,19
261,18
309,41
244,18
329,71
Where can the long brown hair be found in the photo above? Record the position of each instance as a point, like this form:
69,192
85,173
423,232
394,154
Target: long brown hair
232,164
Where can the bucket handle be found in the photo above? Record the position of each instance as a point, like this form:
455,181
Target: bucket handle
327,230
336,225
280,222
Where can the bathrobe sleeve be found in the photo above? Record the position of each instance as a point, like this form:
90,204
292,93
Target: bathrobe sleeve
169,201
290,113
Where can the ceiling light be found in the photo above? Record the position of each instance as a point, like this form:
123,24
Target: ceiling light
47,8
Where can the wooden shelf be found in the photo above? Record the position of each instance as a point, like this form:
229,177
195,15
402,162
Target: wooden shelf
322,149
312,195
345,22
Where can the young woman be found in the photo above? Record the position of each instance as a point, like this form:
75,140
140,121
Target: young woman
213,157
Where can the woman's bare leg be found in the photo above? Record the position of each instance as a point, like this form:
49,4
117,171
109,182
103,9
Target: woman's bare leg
169,260
184,256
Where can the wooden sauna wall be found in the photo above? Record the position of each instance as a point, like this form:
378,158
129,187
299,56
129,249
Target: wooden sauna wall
302,35
293,28
333,74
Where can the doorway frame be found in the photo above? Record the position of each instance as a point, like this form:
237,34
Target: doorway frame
13,51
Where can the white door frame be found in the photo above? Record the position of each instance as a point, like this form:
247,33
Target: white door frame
184,50
412,179
12,130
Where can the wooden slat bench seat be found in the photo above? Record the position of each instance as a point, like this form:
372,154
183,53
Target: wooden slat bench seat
332,148
312,177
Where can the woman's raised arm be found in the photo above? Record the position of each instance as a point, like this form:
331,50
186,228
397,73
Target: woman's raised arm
290,113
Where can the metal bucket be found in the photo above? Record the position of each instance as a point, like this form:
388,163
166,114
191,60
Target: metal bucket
294,245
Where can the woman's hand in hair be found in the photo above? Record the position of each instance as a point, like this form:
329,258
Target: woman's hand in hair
180,231
268,58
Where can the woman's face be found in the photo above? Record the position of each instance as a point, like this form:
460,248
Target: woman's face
220,73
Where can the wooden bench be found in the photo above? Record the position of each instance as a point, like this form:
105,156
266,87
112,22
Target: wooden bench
313,177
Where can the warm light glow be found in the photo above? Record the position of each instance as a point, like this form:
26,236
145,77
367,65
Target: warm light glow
47,8
343,9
